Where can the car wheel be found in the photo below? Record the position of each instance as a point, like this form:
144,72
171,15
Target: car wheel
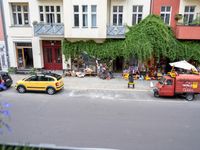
156,94
50,91
189,97
21,89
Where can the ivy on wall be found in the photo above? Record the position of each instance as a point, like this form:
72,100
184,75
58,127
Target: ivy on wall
150,38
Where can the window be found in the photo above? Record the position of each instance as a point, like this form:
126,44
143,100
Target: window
165,14
32,78
76,16
50,14
189,14
117,15
85,15
169,82
93,15
137,14
20,14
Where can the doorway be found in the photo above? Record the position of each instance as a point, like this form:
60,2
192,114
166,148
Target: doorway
118,64
24,57
52,55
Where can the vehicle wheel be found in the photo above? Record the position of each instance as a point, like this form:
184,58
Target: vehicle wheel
156,94
133,86
21,89
189,97
128,86
50,91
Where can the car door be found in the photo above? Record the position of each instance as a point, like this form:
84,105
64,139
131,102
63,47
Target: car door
44,82
169,87
31,83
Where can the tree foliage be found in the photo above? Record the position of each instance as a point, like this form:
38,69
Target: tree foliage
150,38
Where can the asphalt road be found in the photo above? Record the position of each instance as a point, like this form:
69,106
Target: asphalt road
132,120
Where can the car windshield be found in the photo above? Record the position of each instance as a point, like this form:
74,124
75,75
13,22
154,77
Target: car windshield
57,76
162,80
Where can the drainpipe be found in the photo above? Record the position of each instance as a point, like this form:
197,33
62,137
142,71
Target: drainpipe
4,32
151,7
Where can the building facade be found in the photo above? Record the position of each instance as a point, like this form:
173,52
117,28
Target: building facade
3,52
36,28
182,15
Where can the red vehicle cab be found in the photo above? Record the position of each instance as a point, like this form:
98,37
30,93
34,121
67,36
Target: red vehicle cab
182,84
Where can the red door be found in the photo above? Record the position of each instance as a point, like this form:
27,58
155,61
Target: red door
52,55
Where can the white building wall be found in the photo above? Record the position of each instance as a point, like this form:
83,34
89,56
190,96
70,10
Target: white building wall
80,32
26,33
128,8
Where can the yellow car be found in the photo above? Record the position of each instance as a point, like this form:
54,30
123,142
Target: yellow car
51,83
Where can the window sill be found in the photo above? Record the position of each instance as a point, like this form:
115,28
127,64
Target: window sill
94,27
75,27
84,27
20,26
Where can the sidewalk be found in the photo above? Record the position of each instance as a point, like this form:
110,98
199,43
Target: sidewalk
94,83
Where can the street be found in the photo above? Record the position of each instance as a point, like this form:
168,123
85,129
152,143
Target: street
126,120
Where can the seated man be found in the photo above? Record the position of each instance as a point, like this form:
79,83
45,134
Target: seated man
2,84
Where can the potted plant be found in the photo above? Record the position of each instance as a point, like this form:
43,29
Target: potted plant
178,17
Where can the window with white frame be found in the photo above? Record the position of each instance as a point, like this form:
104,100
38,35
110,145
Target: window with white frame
117,15
137,14
85,15
189,14
50,14
20,13
165,14
76,16
93,15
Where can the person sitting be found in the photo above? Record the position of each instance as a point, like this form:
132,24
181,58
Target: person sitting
131,79
2,84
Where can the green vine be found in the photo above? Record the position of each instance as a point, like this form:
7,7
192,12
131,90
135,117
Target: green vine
151,37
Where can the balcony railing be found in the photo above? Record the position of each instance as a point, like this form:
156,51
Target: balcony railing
116,31
43,29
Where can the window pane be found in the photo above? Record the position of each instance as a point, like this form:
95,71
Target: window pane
14,18
26,18
76,8
76,20
47,8
25,8
140,9
139,17
13,8
163,9
18,8
120,19
19,18
41,17
58,18
52,8
94,8
84,8
41,8
167,18
94,24
191,16
58,8
186,8
168,8
134,19
85,20
52,18
48,18
162,17
115,19
120,8
134,8
185,19
114,8
192,8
